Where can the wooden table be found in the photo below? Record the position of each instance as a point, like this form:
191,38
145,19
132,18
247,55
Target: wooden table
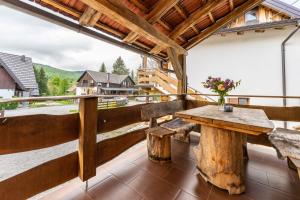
220,151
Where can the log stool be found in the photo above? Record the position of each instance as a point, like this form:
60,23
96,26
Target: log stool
182,129
159,144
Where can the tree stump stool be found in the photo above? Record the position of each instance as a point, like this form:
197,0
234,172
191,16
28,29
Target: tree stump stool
159,144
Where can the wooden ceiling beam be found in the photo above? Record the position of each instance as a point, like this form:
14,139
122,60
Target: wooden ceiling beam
195,29
194,18
77,14
231,5
155,14
211,17
141,6
248,5
131,37
180,11
160,9
117,11
89,17
173,58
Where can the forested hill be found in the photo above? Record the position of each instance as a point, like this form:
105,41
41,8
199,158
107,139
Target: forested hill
63,74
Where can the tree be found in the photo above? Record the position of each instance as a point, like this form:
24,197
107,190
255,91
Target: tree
43,80
119,67
103,68
37,74
58,86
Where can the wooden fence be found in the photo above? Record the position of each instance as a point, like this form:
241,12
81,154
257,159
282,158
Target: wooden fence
25,133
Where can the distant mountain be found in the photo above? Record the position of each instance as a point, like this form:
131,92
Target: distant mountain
64,74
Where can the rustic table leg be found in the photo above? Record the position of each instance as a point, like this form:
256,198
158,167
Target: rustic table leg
220,158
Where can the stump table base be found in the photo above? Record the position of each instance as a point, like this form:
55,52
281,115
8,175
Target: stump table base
220,158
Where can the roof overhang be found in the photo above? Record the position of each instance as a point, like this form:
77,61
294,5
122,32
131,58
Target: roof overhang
145,28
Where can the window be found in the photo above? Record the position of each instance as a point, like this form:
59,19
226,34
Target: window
251,17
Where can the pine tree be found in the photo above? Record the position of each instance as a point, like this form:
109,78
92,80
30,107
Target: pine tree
119,67
132,74
37,75
103,68
42,82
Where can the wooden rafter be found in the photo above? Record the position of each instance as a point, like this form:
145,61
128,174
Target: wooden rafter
160,9
231,5
77,14
195,29
155,14
117,11
191,20
194,18
248,5
180,11
141,6
211,17
89,17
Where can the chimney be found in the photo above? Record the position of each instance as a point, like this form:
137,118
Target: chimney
108,79
23,58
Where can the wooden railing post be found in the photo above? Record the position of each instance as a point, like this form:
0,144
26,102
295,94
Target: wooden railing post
87,137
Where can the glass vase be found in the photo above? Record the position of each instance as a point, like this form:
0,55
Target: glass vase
221,102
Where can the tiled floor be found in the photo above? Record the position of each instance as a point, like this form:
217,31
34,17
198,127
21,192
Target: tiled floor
132,176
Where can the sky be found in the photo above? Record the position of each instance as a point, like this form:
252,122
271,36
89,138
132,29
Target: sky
50,44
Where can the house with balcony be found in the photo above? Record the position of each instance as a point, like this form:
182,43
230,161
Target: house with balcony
92,82
17,76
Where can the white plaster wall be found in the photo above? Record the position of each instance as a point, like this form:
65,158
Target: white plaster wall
255,58
6,93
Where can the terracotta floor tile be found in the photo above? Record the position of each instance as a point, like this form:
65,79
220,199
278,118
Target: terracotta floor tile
189,182
69,191
257,175
220,194
125,172
186,196
284,184
260,191
112,189
152,187
155,169
133,176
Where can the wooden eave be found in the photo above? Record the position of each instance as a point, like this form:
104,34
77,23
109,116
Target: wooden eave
153,25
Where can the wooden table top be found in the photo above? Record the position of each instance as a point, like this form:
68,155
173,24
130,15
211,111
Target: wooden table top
244,120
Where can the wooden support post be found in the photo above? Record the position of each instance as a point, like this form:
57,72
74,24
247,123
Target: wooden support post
182,83
87,137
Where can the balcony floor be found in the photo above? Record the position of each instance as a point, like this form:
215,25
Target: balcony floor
132,176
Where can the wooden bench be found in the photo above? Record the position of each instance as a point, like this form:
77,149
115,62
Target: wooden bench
287,144
159,137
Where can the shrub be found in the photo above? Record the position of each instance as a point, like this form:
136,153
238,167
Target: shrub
9,106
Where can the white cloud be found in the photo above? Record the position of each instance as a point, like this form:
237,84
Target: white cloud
51,44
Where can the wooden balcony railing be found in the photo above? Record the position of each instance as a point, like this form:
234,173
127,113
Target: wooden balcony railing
26,133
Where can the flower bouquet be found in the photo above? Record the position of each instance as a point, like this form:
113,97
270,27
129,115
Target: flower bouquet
221,87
